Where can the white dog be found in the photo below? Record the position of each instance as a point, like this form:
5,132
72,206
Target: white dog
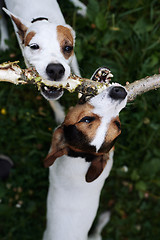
83,149
46,41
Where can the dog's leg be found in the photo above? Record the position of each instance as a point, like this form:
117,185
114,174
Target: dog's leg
3,30
82,7
58,111
102,221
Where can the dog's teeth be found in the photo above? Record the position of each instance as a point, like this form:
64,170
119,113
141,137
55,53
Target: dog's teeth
110,75
46,88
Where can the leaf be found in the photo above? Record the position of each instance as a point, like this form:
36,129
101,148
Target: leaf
140,26
141,186
151,168
135,175
92,9
101,22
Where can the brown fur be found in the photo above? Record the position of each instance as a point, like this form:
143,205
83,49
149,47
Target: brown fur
76,114
65,38
113,130
22,29
28,38
97,167
111,135
60,147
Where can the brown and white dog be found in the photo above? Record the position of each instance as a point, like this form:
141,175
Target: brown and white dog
82,153
46,41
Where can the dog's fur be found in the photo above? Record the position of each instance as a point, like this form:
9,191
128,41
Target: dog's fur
83,149
46,41
3,29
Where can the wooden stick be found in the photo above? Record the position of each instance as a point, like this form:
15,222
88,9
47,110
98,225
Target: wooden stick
143,85
11,72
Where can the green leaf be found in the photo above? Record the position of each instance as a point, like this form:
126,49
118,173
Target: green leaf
140,26
135,176
151,168
101,22
141,186
92,9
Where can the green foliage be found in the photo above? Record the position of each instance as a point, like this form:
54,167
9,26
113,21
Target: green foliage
124,36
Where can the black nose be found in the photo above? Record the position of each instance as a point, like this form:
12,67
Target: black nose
55,71
118,93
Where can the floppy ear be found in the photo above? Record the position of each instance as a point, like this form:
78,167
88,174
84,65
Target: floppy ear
58,147
20,25
96,167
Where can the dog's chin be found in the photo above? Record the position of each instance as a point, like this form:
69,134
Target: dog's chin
51,93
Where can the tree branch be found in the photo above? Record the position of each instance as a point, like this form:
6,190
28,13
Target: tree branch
11,72
142,86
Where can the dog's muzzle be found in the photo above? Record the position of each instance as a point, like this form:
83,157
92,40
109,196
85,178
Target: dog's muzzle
118,93
51,93
55,72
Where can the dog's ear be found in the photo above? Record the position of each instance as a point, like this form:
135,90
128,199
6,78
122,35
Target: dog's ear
96,167
20,24
58,147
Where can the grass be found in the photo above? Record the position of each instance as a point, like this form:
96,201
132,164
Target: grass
124,36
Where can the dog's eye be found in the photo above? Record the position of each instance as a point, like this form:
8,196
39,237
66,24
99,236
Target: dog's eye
34,46
68,49
87,119
118,124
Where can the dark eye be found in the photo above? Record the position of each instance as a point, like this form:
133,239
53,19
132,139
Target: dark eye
68,49
118,124
34,46
87,119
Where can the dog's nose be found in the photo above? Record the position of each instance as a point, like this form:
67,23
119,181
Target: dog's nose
55,71
118,93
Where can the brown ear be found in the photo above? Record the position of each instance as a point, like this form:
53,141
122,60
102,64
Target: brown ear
22,29
21,24
96,167
58,147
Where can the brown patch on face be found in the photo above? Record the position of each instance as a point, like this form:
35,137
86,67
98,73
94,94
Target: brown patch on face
22,29
66,41
28,38
76,115
113,132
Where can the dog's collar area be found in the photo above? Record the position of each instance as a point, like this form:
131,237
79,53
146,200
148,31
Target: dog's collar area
39,19
89,156
97,162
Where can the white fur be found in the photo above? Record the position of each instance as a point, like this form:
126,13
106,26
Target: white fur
3,30
102,221
106,108
60,115
49,51
72,202
82,8
45,37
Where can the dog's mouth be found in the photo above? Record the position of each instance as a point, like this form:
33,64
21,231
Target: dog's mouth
51,93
